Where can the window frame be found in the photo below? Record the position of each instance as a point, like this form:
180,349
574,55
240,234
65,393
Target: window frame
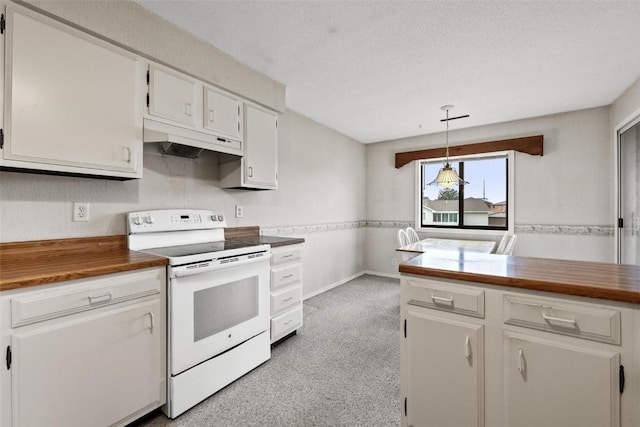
469,230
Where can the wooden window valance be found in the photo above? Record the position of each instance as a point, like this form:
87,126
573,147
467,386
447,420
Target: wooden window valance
528,144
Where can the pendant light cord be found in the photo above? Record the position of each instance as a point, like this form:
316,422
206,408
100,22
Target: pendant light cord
447,155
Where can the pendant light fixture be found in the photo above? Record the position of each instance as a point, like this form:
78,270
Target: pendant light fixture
447,176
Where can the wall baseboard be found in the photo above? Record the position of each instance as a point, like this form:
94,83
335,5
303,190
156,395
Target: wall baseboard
332,285
348,279
377,273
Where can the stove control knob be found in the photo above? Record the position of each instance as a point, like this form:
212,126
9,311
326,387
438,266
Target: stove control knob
214,218
149,219
220,218
137,220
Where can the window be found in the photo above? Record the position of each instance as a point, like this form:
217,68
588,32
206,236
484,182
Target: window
482,204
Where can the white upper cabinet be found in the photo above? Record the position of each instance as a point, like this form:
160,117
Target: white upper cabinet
73,103
186,111
173,96
258,169
261,138
223,113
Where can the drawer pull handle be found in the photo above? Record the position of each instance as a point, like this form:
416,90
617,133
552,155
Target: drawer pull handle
521,361
558,319
152,325
287,256
92,300
287,299
441,300
467,348
288,276
288,322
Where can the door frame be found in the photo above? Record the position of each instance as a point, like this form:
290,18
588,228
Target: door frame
626,124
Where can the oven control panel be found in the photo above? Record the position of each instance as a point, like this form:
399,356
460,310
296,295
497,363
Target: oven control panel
186,219
174,220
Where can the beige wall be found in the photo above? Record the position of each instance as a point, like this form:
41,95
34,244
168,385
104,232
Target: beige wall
562,199
321,194
627,105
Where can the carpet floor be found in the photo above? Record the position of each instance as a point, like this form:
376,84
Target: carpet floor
341,369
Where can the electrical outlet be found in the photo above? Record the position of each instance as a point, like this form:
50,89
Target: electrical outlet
394,262
239,211
81,212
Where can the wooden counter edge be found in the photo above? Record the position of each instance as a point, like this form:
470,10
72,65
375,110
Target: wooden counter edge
620,295
81,273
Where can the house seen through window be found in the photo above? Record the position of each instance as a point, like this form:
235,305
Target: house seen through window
480,204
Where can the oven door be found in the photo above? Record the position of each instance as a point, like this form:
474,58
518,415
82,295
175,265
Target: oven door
216,310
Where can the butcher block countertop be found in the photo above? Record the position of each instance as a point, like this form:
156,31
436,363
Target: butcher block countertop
587,279
24,264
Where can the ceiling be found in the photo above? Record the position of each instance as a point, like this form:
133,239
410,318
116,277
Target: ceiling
381,70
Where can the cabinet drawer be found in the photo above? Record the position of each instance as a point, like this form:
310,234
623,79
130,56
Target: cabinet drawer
286,323
280,256
285,298
446,297
285,275
86,295
563,317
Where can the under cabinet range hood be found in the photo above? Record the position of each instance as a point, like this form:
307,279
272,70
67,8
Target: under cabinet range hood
182,142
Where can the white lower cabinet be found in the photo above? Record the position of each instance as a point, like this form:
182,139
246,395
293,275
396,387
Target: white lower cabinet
549,383
286,290
521,359
448,353
102,366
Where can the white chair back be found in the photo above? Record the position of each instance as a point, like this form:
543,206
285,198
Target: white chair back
412,235
503,243
403,239
508,250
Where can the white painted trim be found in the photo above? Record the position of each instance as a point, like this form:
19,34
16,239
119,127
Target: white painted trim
630,121
332,285
380,274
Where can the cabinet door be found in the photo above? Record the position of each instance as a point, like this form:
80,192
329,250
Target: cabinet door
72,100
261,155
444,372
223,113
174,96
557,385
96,369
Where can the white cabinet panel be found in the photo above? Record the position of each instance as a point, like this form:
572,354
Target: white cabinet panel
286,323
173,96
444,368
552,384
223,113
73,103
261,156
286,290
95,370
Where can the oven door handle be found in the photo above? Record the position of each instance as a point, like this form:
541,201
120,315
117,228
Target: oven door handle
187,270
204,267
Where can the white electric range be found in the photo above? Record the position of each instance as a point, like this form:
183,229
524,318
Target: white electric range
217,301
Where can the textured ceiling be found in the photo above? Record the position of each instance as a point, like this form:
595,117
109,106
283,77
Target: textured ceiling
380,70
